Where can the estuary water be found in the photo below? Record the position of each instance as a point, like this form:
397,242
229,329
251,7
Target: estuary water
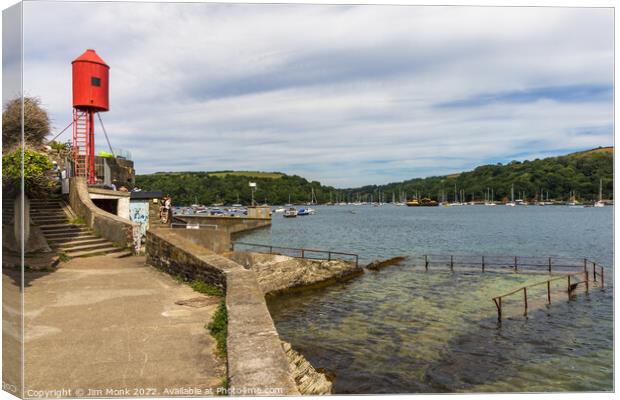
404,330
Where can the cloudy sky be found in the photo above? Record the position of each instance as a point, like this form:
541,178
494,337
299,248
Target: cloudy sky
347,95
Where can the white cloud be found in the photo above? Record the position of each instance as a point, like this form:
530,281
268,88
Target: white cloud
325,91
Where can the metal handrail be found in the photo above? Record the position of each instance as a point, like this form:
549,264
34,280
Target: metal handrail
302,251
571,286
514,262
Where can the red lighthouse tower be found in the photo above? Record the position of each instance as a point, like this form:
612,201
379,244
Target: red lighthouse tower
90,95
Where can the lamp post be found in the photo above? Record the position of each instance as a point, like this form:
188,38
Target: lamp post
253,187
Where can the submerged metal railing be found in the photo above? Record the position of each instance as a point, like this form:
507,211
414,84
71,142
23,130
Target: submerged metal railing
301,252
576,271
571,286
514,263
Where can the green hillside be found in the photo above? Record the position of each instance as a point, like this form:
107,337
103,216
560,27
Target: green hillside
579,172
223,187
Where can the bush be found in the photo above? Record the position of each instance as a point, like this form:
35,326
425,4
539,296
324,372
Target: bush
36,123
36,166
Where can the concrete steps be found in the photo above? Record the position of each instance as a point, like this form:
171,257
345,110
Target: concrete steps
71,239
77,241
76,248
95,252
70,235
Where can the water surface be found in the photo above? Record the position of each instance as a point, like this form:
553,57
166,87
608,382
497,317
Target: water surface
405,330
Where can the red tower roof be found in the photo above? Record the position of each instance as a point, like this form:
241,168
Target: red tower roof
90,56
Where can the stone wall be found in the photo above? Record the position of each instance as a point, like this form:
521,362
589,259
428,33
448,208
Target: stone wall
308,380
216,240
171,251
232,225
114,228
257,364
277,273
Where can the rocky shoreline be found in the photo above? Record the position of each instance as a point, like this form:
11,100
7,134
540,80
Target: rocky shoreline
308,380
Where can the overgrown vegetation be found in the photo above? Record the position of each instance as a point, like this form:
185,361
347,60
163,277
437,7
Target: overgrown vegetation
206,288
36,123
218,328
36,165
579,172
77,221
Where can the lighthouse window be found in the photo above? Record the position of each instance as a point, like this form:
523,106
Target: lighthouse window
95,81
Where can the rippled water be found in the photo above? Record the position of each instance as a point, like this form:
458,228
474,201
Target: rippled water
405,330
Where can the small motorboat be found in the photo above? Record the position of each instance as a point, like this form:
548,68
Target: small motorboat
303,211
290,213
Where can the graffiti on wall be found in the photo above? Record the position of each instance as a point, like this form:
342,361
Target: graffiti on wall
139,213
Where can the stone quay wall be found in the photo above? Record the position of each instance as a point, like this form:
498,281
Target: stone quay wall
231,225
257,363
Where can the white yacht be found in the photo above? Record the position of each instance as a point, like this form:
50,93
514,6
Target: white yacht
600,202
512,197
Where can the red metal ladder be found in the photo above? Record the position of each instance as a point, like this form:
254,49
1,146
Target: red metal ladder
83,145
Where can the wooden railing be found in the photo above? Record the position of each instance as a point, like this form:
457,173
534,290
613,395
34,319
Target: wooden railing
301,252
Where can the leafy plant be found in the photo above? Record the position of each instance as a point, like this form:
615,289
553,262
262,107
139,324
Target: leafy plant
36,166
218,328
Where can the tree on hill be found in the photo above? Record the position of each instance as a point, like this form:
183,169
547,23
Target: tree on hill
557,176
36,123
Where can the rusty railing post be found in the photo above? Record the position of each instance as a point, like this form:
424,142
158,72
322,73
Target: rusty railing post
549,264
515,263
585,264
426,262
482,263
525,301
548,292
302,253
587,283
594,270
602,278
498,304
329,256
270,249
451,263
569,290
356,261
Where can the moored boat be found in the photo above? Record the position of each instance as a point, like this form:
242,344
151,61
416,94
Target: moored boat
290,213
